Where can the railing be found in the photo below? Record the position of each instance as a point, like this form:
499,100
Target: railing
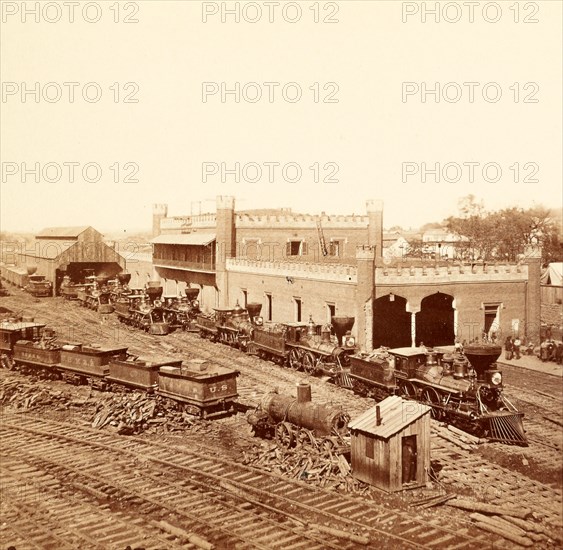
207,266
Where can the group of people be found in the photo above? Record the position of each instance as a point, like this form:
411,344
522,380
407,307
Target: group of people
549,349
512,347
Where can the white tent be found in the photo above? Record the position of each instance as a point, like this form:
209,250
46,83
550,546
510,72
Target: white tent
553,275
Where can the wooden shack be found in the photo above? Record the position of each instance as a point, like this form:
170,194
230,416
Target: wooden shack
391,445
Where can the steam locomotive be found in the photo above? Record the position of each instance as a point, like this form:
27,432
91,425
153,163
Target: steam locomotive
199,387
300,421
461,387
180,312
302,346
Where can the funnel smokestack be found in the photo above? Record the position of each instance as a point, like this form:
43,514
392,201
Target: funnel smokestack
253,309
341,326
31,269
154,293
124,278
191,293
482,356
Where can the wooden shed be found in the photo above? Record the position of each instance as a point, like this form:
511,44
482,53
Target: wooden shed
391,445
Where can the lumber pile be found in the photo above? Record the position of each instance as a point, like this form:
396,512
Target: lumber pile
518,525
327,468
20,395
135,412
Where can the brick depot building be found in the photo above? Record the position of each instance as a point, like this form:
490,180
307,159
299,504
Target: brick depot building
300,265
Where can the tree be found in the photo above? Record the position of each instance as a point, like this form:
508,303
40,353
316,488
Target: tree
504,234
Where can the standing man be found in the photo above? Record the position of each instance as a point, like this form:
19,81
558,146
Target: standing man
508,348
517,344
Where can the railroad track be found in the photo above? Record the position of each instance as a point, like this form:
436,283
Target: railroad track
234,505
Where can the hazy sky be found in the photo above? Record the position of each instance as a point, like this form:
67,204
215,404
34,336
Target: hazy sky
360,118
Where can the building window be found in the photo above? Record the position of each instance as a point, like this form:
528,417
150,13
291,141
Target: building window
335,248
369,448
296,248
297,303
244,297
330,311
269,306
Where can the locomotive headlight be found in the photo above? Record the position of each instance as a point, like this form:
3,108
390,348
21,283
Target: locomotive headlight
496,378
195,303
351,342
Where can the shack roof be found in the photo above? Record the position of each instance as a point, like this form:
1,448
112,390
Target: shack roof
68,232
395,413
192,239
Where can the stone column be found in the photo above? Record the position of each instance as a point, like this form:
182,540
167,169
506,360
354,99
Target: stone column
225,245
365,292
375,227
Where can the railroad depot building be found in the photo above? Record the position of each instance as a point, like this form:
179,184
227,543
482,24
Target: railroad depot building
72,251
301,265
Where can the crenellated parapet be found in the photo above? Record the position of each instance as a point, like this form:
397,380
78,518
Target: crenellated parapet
312,271
301,221
455,273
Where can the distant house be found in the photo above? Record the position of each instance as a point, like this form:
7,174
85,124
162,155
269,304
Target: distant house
441,243
394,245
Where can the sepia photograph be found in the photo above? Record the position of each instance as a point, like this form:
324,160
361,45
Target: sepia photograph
281,274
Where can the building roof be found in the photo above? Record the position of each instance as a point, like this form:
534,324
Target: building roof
68,232
396,414
194,239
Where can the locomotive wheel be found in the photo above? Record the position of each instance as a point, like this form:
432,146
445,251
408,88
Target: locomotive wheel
432,397
285,435
408,389
295,359
309,362
306,438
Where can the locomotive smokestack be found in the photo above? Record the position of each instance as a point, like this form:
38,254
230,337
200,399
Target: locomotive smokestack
303,393
341,326
192,293
253,309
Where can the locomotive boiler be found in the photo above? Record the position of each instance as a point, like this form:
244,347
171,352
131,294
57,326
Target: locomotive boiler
461,387
299,421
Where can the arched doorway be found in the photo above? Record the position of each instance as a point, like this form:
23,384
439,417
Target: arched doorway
435,321
391,322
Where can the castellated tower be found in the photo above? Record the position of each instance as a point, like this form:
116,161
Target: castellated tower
375,227
226,244
532,257
365,293
159,212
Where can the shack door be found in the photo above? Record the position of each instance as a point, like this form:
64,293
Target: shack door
409,457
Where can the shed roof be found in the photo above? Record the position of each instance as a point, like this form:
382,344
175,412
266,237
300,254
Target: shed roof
62,231
194,239
396,414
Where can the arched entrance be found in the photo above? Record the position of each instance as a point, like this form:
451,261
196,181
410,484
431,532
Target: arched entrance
391,322
435,321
